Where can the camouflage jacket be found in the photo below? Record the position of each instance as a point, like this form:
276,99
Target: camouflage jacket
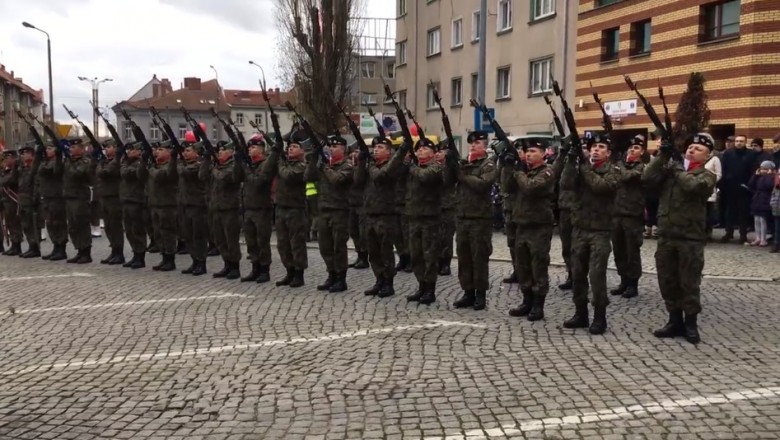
682,210
532,193
291,184
192,190
595,188
425,190
225,183
133,183
356,190
258,178
567,199
380,182
50,178
29,189
504,180
449,197
162,184
629,199
475,180
9,184
77,177
401,192
334,182
108,174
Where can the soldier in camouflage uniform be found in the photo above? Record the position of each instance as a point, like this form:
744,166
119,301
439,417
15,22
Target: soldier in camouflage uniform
9,187
334,181
531,187
567,204
423,210
629,222
291,224
192,205
108,174
595,181
682,214
132,194
402,238
77,176
162,189
225,202
52,203
29,199
510,228
474,239
380,177
259,207
449,202
357,222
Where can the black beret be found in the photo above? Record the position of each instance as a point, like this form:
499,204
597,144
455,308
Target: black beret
381,140
337,140
602,138
134,146
424,142
477,136
297,137
9,153
164,144
638,140
109,142
701,139
534,144
75,141
27,147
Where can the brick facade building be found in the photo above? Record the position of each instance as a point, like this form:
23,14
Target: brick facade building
734,43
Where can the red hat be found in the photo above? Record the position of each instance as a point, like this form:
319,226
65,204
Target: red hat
189,136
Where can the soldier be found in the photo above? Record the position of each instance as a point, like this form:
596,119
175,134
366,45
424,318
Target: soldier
132,194
333,180
108,173
474,236
225,202
380,177
510,228
76,180
259,208
52,203
567,204
531,186
291,224
595,182
162,189
448,205
192,205
357,216
312,210
628,222
423,208
402,238
9,184
684,188
29,198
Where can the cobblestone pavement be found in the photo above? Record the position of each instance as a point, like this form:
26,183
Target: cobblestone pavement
102,352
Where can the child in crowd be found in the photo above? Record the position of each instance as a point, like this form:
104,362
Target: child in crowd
762,185
774,203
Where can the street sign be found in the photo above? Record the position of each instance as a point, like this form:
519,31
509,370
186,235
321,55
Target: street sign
620,108
481,122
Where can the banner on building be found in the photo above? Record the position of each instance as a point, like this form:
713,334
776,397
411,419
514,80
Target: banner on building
367,124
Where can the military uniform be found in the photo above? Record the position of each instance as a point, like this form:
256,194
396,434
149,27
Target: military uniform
53,205
505,176
9,185
77,176
357,224
108,174
567,204
333,181
449,202
291,223
132,194
29,199
628,226
402,238
682,216
312,210
162,189
193,186
259,213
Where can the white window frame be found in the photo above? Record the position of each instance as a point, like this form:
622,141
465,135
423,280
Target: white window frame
368,69
390,69
401,53
129,130
402,98
154,133
545,83
504,16
456,90
475,26
499,83
430,103
239,119
183,129
455,43
259,119
369,98
541,9
401,10
433,41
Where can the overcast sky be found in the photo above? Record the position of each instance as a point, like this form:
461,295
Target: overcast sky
111,39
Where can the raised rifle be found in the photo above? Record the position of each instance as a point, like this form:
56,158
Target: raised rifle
167,130
240,145
407,135
111,128
379,128
139,135
666,134
568,115
667,117
36,136
353,128
315,142
199,134
500,133
278,142
445,120
96,145
62,145
556,119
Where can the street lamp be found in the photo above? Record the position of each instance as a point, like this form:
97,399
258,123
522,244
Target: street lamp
219,92
95,84
262,84
48,50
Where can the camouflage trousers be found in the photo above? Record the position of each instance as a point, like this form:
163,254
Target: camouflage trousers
425,247
474,244
357,228
227,234
112,222
77,212
627,241
381,232
291,234
148,224
135,230
258,224
94,212
29,221
589,257
332,236
510,228
195,230
54,215
165,222
565,228
401,239
312,211
680,264
13,221
447,229
532,254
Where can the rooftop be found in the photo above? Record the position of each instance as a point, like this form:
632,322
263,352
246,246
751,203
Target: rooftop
9,77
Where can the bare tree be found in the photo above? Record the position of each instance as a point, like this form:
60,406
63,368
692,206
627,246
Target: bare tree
318,47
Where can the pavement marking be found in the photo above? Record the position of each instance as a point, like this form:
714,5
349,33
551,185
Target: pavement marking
633,411
219,295
230,348
44,277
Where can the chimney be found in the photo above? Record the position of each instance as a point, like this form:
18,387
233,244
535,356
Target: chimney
156,90
192,83
165,85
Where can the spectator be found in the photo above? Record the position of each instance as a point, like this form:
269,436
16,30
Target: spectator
774,203
737,166
762,183
757,145
713,165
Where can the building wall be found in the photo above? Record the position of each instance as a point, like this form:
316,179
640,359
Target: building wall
13,131
263,119
741,73
174,118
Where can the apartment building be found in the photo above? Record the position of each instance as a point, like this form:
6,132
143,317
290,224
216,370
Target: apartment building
16,95
246,105
734,43
527,42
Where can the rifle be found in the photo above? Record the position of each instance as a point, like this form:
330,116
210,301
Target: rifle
445,120
400,115
199,134
278,142
379,127
97,146
167,130
500,133
354,128
606,121
33,131
420,132
576,149
667,118
62,145
111,128
139,135
316,145
665,134
556,119
239,145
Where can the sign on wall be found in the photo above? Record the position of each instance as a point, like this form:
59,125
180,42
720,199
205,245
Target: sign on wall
620,108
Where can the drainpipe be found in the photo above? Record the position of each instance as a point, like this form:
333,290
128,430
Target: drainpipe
565,63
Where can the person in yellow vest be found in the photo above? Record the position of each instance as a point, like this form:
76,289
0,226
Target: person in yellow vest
312,208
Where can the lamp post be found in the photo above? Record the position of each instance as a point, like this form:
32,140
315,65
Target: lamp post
263,72
95,84
51,90
219,92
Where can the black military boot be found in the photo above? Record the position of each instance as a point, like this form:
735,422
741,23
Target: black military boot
287,278
33,252
620,289
580,318
567,285
132,260
408,266
169,263
140,261
401,262
691,329
417,294
189,270
264,274
75,257
224,271
119,258
163,259
467,300
511,279
297,280
152,248
480,299
444,267
212,251
108,258
387,289
374,290
340,285
86,256
525,306
674,327
632,289
599,324
537,310
199,269
234,271
362,261
14,250
2,247
429,294
253,274
181,248
328,282
59,253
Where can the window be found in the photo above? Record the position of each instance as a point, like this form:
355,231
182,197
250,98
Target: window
475,26
401,7
129,131
504,15
401,53
214,132
541,81
503,83
434,41
182,130
154,133
542,8
369,98
239,119
605,2
720,20
610,44
391,70
640,37
429,101
457,32
474,85
456,91
367,70
402,98
259,119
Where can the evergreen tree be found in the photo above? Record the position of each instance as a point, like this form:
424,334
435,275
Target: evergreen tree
693,114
